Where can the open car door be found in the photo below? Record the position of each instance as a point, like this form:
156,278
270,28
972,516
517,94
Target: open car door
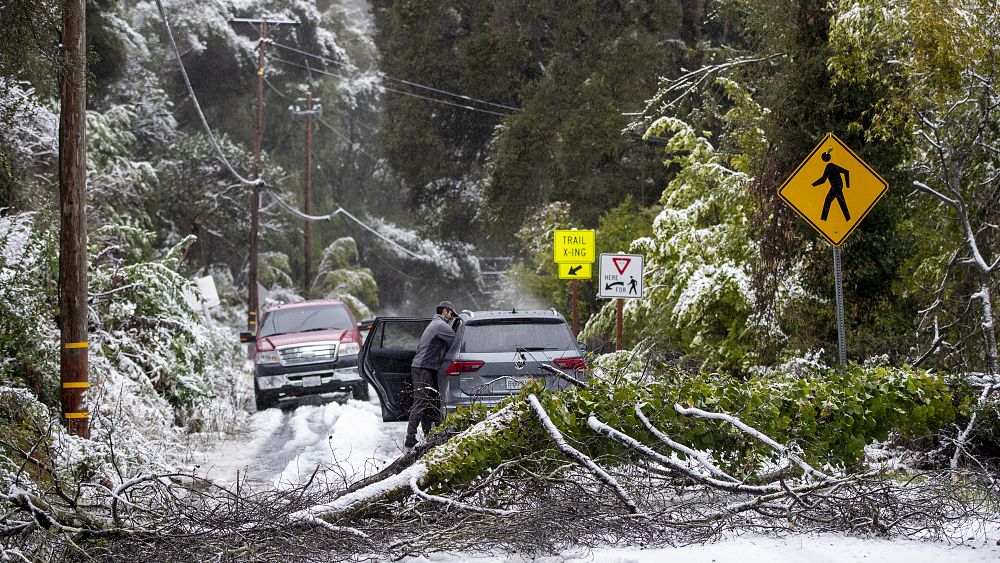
385,361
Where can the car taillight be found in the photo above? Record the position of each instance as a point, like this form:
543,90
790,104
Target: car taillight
572,364
458,367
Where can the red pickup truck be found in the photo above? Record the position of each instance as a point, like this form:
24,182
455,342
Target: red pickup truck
306,348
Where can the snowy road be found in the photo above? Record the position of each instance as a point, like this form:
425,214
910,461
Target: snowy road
280,448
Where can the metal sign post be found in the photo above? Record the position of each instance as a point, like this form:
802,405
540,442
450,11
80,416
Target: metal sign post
619,303
839,290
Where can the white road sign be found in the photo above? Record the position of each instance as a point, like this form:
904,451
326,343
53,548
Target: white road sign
620,276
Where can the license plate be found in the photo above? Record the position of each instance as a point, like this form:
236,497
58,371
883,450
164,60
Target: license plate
515,383
312,381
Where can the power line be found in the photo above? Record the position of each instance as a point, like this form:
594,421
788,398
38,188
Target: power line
341,211
346,140
407,82
401,92
197,106
259,182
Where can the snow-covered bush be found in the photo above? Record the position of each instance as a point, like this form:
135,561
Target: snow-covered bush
28,147
156,367
28,358
339,275
697,260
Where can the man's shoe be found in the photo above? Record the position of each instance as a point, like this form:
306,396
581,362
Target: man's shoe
410,443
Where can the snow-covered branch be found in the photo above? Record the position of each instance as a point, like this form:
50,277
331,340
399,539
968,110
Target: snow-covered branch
781,450
630,442
700,457
579,456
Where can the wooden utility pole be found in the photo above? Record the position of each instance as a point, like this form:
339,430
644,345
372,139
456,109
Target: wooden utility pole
310,111
307,228
253,302
253,299
74,351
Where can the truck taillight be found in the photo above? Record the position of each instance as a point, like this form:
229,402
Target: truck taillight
458,367
571,364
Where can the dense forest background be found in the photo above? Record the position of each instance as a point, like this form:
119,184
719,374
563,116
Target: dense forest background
466,131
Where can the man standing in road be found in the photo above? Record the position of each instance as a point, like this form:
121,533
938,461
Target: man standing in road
434,342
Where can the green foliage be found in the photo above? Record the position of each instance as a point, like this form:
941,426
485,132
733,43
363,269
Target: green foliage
698,254
274,270
831,415
27,53
567,143
24,425
28,294
937,62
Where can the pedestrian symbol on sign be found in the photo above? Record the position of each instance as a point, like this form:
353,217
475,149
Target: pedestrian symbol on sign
832,174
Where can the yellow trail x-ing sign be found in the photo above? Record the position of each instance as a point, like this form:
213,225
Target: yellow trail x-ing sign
573,246
833,189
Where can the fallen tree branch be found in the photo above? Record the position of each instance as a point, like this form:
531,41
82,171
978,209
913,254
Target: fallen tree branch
454,503
578,456
564,376
677,446
781,450
633,444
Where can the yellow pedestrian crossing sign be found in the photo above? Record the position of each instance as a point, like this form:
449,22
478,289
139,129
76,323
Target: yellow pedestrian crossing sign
576,271
833,189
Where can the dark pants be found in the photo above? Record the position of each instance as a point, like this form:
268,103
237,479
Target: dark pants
425,399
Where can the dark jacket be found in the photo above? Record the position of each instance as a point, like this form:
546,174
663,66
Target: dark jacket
434,342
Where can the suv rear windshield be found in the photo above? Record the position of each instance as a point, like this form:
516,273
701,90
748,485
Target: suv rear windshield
506,336
303,319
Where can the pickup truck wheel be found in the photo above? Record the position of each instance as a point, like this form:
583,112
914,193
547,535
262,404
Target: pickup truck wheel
360,391
263,402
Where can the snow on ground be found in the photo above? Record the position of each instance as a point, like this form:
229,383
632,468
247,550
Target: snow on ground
821,548
283,447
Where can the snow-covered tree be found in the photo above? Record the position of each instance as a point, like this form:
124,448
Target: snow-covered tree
940,60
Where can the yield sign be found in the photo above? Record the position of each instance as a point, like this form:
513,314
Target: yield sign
620,276
833,189
621,264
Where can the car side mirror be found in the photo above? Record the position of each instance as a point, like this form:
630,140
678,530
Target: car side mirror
246,337
581,345
366,324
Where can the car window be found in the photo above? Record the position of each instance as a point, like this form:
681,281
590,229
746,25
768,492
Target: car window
301,319
403,334
506,336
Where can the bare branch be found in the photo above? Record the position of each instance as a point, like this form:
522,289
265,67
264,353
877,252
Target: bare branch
925,188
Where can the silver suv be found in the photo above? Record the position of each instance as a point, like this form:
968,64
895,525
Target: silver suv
494,354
